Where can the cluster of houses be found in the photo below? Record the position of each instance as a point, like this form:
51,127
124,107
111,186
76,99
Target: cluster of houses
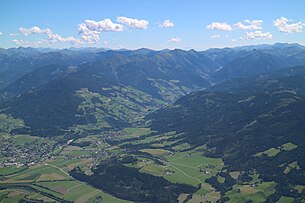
22,155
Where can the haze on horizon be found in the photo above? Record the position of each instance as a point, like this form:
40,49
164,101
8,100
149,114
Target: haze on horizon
155,25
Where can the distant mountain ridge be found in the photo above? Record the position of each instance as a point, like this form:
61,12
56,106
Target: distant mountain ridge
72,89
121,85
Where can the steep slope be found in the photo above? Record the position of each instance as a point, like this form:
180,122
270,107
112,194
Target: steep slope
17,62
114,89
111,92
253,63
293,53
246,125
36,79
79,99
166,75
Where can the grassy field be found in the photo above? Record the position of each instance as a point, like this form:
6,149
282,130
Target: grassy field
285,200
274,151
140,136
52,178
35,172
136,132
178,163
210,197
293,165
257,193
299,188
156,152
192,167
153,169
188,167
10,170
75,151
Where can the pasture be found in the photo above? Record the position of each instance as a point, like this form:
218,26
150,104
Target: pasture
256,193
50,178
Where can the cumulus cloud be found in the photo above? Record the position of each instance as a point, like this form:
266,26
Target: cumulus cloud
52,37
249,25
166,24
1,33
91,30
91,39
175,40
258,35
34,30
132,22
105,25
74,40
219,26
286,25
13,34
215,36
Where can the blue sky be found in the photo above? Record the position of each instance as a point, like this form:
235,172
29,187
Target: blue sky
155,24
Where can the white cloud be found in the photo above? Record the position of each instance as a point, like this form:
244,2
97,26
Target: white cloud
166,24
219,26
1,33
90,36
258,35
17,42
13,34
20,42
91,30
175,40
27,43
132,22
105,25
34,30
286,25
74,40
215,36
52,37
91,39
249,25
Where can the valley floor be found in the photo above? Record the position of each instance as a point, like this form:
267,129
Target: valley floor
163,155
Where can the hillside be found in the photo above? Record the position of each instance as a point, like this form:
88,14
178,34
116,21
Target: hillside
222,125
113,91
243,125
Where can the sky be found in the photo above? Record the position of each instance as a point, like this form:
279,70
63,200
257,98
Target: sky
154,24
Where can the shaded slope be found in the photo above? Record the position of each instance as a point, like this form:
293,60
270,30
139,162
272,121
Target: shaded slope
240,124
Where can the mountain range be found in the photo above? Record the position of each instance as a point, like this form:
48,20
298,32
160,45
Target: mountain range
244,106
128,82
